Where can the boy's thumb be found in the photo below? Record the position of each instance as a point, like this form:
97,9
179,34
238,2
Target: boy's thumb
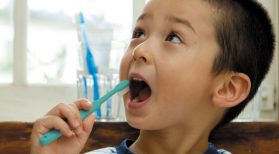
88,123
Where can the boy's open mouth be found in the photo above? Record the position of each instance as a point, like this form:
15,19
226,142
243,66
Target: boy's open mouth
140,90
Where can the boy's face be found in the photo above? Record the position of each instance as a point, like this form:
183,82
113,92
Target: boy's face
174,47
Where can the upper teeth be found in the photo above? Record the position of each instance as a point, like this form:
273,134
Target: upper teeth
137,79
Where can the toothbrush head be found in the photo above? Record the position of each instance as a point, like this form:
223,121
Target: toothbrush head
122,86
123,92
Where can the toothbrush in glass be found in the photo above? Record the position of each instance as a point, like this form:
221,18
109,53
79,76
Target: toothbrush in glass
55,134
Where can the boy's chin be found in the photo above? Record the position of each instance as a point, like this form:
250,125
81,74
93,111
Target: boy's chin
140,124
135,122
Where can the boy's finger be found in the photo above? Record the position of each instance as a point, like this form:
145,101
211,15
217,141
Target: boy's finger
47,123
77,106
75,110
65,111
88,123
83,104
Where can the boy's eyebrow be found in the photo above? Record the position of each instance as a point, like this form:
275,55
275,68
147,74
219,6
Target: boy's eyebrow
141,17
171,18
182,21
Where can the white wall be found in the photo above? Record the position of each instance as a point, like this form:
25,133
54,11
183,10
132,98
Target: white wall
269,108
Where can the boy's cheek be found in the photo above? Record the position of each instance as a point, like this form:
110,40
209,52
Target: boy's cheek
125,65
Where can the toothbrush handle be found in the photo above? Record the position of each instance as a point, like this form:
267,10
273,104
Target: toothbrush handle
50,137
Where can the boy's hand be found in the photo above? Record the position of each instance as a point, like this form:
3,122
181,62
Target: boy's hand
74,132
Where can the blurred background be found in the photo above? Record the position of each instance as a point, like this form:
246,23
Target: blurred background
39,53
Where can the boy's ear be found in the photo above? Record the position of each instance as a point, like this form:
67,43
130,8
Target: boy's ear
231,90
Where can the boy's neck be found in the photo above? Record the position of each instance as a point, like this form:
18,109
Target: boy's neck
175,140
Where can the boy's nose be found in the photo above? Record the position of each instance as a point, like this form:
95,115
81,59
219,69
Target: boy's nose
141,54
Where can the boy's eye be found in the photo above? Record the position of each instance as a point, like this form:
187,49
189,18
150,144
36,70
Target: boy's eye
138,34
173,38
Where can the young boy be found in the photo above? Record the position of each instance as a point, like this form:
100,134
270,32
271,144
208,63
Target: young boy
192,64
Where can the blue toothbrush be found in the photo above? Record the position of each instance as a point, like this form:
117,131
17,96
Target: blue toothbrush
90,63
55,134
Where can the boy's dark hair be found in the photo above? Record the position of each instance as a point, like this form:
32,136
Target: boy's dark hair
245,35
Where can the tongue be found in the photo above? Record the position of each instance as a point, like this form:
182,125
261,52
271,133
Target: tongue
144,94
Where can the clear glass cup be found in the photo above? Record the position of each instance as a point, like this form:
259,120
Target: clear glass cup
112,108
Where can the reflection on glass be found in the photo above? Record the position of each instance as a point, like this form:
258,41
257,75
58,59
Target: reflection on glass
52,36
6,41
